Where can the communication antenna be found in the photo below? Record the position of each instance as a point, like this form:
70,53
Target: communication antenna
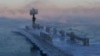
33,11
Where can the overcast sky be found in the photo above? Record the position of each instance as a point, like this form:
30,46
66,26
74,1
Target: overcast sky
54,10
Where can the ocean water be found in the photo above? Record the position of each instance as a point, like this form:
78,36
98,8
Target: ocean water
16,45
10,43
